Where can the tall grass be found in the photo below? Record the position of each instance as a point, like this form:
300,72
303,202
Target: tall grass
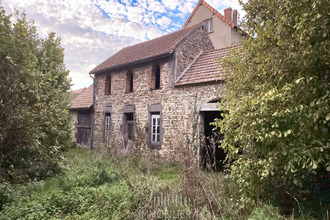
99,185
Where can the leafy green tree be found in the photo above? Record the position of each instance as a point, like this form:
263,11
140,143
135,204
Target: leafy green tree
34,85
277,94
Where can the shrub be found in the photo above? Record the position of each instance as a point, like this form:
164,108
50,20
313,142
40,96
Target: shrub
277,94
35,122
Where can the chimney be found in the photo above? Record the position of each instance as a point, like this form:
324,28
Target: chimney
235,17
228,14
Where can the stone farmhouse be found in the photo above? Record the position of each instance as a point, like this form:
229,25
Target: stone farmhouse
164,90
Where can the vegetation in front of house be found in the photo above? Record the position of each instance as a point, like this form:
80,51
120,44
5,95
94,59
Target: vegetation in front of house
277,94
95,185
34,85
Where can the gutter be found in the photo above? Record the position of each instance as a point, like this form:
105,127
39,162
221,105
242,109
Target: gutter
213,81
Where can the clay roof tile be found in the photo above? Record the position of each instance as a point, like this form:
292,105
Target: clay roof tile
205,69
83,100
160,46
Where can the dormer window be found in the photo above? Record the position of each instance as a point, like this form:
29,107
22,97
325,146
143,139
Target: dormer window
208,25
129,81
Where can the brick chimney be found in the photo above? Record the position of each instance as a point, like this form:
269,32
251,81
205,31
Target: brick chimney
228,12
235,17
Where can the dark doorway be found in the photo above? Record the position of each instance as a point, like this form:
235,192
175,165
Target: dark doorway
212,155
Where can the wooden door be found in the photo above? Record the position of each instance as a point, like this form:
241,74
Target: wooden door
84,128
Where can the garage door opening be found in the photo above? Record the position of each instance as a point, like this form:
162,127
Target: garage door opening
211,154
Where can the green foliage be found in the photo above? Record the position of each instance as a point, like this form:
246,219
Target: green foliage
88,189
265,212
34,116
277,94
123,190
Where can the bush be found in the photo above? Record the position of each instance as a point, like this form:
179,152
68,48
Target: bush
35,122
277,94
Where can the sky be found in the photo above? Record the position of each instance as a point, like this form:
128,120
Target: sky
93,30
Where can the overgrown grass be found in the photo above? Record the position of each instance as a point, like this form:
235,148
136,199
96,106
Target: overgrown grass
96,185
91,187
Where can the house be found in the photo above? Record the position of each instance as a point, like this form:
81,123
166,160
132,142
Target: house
82,111
223,29
161,92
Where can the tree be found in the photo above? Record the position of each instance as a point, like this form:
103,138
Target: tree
34,85
277,94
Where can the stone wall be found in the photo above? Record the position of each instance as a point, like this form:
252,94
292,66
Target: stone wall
197,41
178,104
141,97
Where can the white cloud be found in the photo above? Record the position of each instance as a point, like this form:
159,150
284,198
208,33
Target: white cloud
93,30
172,4
164,21
156,6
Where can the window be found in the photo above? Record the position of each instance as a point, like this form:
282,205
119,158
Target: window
107,85
129,81
129,125
155,128
107,122
155,77
208,25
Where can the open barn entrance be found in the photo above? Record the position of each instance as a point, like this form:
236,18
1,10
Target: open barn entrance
212,156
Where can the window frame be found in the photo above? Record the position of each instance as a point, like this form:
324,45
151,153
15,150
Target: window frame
208,25
129,125
153,110
128,110
107,118
155,128
107,122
